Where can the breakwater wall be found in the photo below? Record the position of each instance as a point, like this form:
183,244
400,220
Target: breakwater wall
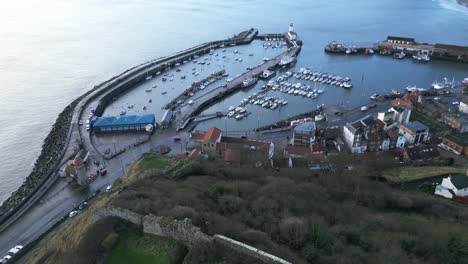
183,231
57,141
129,81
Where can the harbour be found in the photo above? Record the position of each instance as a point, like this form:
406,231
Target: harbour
369,75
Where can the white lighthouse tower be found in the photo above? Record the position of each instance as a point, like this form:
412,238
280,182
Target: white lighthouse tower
291,34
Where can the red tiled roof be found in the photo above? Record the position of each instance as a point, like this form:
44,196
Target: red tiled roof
212,135
194,153
197,136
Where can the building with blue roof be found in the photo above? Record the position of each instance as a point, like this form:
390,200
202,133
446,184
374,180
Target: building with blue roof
414,132
144,123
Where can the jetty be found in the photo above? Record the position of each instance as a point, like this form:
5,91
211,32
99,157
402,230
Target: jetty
199,103
402,45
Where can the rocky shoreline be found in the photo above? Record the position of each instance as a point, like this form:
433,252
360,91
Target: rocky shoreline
51,153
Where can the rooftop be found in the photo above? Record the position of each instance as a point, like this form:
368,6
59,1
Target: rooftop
415,126
460,181
422,152
307,127
124,120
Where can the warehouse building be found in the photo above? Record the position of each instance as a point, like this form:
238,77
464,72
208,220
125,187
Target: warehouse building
143,123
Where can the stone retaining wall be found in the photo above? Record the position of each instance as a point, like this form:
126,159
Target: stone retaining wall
184,231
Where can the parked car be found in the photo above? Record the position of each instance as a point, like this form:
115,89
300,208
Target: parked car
92,176
371,106
87,127
80,123
177,139
83,205
5,259
15,250
72,214
364,108
103,172
109,188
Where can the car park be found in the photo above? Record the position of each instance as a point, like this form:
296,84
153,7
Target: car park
72,214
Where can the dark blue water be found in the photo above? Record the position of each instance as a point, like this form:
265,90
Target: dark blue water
53,51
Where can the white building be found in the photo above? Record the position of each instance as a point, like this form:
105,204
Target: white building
355,134
455,185
291,34
463,106
414,132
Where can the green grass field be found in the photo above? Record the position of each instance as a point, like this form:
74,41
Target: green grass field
141,249
153,160
404,174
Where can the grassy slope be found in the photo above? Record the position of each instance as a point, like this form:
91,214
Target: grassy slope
138,249
407,173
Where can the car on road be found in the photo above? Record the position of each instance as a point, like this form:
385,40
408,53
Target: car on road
103,172
176,139
108,188
364,108
82,205
371,106
92,176
5,259
80,123
14,250
72,214
87,127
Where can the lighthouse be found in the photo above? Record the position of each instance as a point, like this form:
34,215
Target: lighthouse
291,34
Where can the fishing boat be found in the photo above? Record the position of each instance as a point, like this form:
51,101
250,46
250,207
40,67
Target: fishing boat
267,74
249,82
288,61
347,85
464,82
394,92
239,117
148,90
411,89
374,96
123,112
399,55
437,85
319,118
